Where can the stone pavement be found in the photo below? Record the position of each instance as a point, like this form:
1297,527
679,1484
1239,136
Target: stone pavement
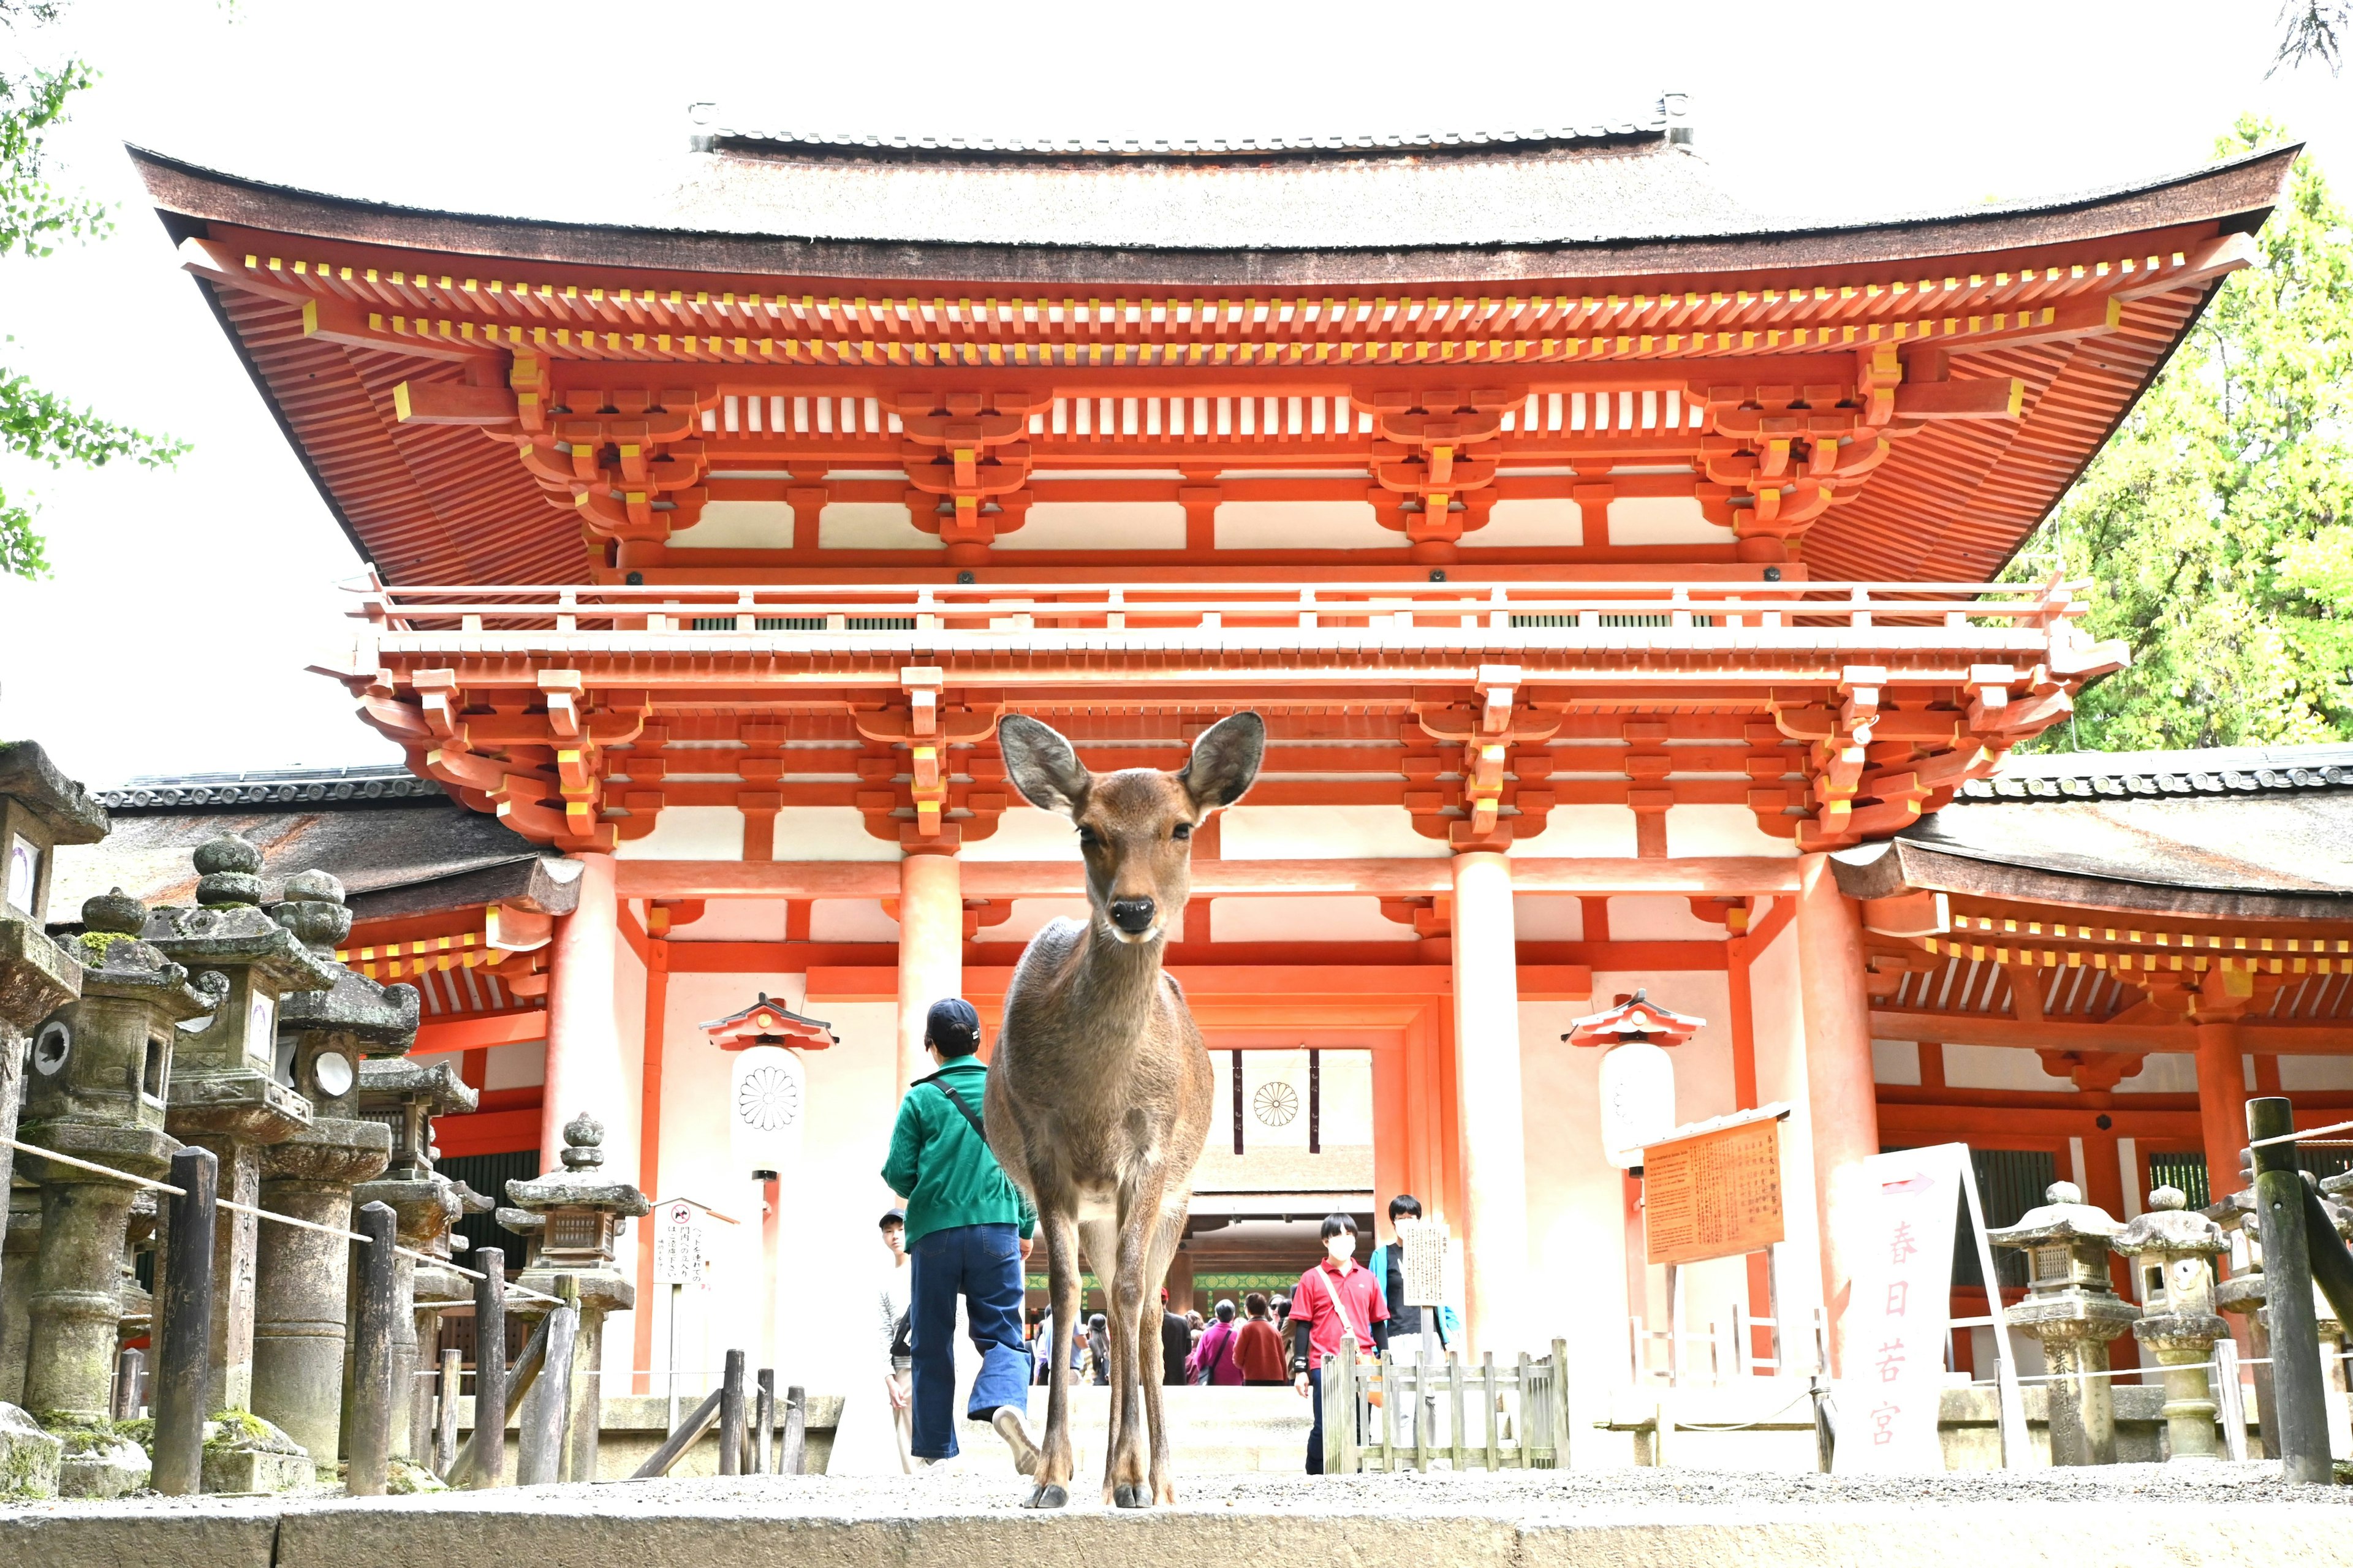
2123,1516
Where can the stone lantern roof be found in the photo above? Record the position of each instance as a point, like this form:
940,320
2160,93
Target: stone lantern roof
227,925
377,1020
1635,1017
580,1184
2063,1216
2169,1228
116,960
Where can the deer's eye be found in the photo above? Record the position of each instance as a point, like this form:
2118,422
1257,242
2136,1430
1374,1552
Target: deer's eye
1182,830
1089,838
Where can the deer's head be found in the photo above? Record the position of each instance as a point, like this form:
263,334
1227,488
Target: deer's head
1135,826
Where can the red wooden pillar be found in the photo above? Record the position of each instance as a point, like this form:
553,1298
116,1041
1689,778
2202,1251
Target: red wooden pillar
1842,1107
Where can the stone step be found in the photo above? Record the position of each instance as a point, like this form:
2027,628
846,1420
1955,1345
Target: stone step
1213,1431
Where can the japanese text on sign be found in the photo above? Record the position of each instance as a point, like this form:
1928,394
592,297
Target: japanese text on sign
1893,1387
1714,1195
678,1245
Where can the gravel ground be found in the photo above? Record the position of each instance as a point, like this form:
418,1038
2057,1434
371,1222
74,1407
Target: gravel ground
1620,1494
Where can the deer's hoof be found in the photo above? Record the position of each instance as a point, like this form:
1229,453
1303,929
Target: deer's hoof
1128,1494
1048,1496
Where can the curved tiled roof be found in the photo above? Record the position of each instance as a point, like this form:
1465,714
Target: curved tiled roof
363,785
2214,771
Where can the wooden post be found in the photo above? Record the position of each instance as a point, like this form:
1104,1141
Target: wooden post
731,1416
1780,1344
1744,1328
1425,1411
682,1437
543,1419
2298,1392
1674,1326
1529,1405
368,1445
1389,1411
1842,1102
1560,1405
764,1418
1457,1410
130,1379
1348,1407
1487,1400
183,1317
794,1454
445,1426
490,1369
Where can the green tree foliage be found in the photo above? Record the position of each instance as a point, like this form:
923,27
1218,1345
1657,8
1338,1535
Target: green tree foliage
36,218
2215,523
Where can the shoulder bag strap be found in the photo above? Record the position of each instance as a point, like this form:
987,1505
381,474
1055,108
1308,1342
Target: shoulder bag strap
940,1083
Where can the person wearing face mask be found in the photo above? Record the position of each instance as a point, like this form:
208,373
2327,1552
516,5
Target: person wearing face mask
1333,1298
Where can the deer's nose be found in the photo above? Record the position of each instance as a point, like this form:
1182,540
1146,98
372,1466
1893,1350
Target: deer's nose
1132,916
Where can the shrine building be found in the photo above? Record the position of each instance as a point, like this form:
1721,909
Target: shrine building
1620,576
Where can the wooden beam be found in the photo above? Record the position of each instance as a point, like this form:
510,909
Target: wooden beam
1720,875
479,1034
1990,1029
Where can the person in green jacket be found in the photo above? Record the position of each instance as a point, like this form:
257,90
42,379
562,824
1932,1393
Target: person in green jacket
968,1235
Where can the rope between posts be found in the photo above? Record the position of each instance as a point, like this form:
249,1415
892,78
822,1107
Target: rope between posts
1743,1426
273,1217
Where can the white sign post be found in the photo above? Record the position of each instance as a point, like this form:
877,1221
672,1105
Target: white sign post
678,1259
1423,1246
1900,1315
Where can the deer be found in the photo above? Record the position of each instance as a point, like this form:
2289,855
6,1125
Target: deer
1100,1092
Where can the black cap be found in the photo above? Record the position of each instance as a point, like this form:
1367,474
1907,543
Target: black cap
953,1026
892,1216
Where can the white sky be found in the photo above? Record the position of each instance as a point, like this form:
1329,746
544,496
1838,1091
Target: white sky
185,602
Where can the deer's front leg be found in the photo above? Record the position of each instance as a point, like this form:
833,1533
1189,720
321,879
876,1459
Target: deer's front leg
1125,1476
1056,1461
1168,1231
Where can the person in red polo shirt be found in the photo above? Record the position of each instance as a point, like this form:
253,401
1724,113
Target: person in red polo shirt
1335,1297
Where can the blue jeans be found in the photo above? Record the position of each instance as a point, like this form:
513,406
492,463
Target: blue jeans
982,1263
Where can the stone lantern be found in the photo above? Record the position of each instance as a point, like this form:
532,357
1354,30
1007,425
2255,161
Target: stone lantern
40,809
301,1285
225,1096
2072,1307
573,1218
2172,1249
100,1071
405,1095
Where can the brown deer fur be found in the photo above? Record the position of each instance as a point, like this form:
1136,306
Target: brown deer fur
1100,1094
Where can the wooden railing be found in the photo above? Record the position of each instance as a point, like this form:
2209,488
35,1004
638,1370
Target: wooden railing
886,613
1411,1414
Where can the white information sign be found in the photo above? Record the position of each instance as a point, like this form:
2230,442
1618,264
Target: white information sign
1899,1313
678,1245
1423,1261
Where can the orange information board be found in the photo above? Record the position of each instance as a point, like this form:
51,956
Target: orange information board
1716,1194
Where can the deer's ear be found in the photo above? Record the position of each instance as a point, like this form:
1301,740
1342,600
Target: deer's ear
1225,760
1041,764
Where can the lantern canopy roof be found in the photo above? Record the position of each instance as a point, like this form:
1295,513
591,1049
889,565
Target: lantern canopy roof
766,1023
1637,1017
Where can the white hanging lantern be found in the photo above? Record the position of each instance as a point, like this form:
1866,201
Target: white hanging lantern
1638,1101
1638,1076
767,1104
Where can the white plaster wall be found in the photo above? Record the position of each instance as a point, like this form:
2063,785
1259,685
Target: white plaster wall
688,833
1026,832
1548,917
1099,525
828,1204
1302,525
2164,1072
826,832
1304,919
739,525
1582,832
1722,830
1658,917
1896,1061
736,919
1662,520
2297,1073
1324,833
1031,916
517,1065
2000,1067
870,525
851,919
1530,522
